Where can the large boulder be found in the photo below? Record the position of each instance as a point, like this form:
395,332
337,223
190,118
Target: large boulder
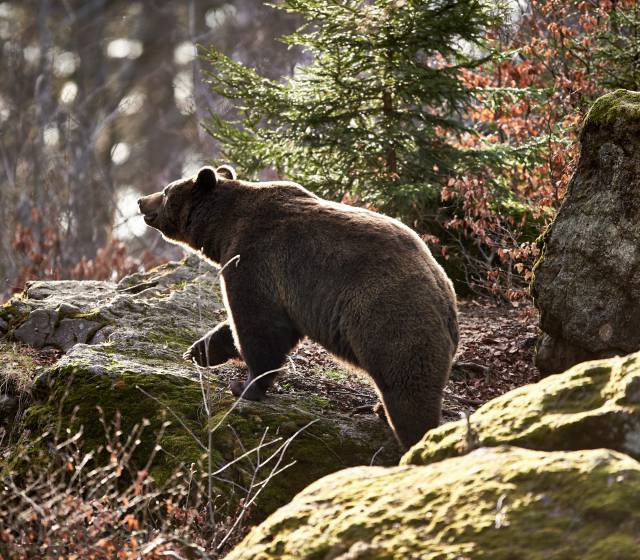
586,283
122,347
594,404
503,503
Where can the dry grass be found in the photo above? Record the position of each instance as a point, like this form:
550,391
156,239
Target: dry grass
62,503
16,368
60,500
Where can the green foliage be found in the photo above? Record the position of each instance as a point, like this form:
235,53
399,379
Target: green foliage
373,113
617,52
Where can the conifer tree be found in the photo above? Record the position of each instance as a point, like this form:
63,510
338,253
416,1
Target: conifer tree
374,114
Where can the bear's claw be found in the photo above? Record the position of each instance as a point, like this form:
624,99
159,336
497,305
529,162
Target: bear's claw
196,354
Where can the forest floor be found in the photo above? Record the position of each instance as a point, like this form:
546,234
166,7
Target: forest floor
494,356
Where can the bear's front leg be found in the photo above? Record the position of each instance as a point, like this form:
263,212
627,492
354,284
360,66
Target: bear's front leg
265,342
215,347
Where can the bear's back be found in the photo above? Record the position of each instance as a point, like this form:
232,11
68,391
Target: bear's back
321,257
286,221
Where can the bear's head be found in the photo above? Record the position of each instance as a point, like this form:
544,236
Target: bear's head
169,210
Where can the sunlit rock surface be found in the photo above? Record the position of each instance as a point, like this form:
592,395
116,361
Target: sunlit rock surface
499,504
548,470
594,404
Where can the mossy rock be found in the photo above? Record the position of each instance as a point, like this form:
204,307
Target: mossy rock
134,366
325,443
585,283
500,504
621,106
593,405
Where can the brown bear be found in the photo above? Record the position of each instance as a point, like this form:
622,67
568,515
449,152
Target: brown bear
361,284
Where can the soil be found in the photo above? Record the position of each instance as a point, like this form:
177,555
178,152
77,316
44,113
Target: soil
495,354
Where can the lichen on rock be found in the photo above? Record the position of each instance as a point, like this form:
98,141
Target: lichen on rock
586,284
499,504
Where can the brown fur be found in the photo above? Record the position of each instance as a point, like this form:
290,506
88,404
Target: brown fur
361,284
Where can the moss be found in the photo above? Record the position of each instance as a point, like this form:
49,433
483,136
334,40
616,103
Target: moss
110,348
141,354
498,504
620,104
178,286
180,340
578,393
317,401
14,312
622,547
91,315
74,389
171,265
319,449
594,404
541,243
336,374
7,312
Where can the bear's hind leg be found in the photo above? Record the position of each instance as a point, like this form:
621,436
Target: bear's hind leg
215,347
411,412
410,371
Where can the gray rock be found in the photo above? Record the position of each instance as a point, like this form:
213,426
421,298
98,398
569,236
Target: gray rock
70,332
43,327
42,383
65,309
586,283
38,327
4,326
102,335
82,295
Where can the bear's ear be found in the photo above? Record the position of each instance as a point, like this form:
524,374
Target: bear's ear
227,172
206,178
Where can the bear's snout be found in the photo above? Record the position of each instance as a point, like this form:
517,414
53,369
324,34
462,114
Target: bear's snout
149,206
